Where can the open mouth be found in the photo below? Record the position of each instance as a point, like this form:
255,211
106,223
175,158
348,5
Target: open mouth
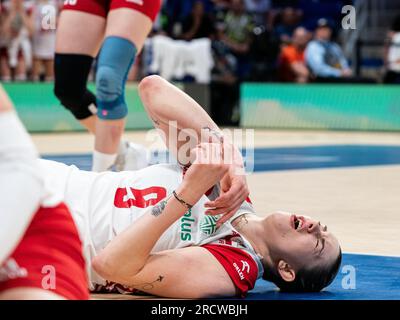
297,222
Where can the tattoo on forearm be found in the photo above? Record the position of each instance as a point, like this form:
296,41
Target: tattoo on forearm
158,209
215,133
147,285
150,285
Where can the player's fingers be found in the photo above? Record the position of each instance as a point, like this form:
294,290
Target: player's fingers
235,192
234,205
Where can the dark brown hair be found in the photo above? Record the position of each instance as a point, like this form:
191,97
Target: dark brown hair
306,280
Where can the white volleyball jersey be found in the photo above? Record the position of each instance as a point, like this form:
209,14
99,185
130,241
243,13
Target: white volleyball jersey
105,204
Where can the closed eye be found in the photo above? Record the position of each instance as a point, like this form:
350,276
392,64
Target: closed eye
323,245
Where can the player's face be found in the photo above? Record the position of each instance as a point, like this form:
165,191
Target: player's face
300,240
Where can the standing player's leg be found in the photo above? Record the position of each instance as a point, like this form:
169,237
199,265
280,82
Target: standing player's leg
21,184
128,25
79,36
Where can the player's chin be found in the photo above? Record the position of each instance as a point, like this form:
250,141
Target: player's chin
280,221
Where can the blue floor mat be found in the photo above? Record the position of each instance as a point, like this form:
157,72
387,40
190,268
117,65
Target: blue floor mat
376,278
289,158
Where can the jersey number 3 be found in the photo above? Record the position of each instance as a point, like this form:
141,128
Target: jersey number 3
139,198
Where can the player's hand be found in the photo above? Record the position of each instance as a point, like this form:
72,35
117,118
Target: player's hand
207,169
234,190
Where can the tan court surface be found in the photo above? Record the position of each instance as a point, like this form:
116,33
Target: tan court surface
361,205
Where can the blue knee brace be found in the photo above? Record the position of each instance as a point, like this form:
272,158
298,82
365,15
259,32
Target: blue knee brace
115,60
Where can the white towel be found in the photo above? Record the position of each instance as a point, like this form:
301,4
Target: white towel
178,58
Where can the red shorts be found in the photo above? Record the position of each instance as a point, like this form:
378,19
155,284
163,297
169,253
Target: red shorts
101,8
48,257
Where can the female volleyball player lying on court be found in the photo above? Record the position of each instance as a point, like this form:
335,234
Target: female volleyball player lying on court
157,230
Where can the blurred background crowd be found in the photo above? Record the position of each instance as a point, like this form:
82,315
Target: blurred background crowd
297,41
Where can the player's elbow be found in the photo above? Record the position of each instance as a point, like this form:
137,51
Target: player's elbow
149,90
111,270
101,267
106,269
150,83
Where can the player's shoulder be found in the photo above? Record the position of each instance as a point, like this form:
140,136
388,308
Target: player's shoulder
242,267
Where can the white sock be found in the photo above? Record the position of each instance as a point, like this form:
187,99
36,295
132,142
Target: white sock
103,161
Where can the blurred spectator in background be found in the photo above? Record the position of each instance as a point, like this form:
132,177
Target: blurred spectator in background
286,3
175,12
18,27
324,57
221,5
44,38
236,34
292,62
288,21
198,24
5,72
260,9
392,53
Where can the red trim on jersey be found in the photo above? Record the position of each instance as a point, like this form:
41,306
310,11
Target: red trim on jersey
240,266
150,8
49,256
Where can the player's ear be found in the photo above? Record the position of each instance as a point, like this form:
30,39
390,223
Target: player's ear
286,271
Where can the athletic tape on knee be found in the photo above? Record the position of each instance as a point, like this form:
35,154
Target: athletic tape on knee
115,60
71,74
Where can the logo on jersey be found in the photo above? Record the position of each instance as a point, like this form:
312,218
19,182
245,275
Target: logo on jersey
186,226
245,266
209,225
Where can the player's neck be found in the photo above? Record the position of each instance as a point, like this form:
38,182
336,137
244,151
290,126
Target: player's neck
250,226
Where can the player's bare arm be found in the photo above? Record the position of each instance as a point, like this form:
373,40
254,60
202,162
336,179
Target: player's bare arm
167,106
